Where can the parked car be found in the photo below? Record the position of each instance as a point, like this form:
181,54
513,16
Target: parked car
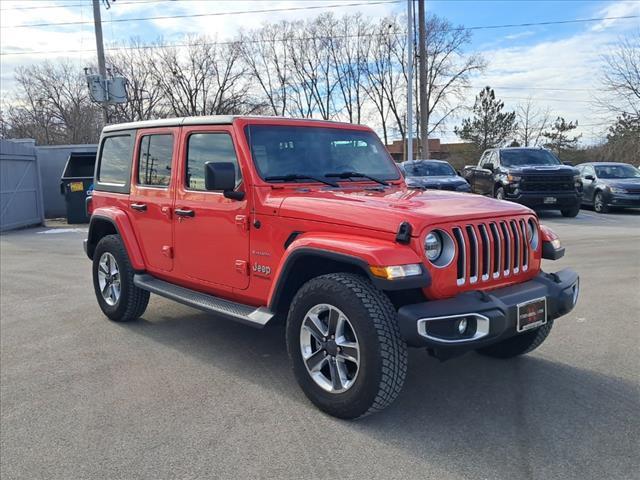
531,176
608,184
259,219
435,174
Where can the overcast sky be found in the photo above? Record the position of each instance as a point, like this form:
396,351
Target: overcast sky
557,65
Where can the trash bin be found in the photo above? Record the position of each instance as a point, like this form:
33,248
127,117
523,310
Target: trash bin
76,184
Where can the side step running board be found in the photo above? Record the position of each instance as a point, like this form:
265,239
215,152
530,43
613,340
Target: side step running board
256,317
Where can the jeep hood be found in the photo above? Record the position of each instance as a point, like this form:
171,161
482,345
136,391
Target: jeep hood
384,210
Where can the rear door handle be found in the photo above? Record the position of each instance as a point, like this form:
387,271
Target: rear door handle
141,207
185,213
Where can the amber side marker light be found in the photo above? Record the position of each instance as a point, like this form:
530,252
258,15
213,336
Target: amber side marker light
395,272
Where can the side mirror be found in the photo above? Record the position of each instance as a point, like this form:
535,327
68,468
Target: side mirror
589,177
221,176
489,166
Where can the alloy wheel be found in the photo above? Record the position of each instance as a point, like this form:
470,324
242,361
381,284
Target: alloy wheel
330,348
109,279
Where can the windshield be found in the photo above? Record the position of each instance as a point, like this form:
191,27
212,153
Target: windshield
617,171
521,158
286,151
428,169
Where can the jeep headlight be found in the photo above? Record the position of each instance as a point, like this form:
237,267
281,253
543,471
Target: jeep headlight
439,248
433,246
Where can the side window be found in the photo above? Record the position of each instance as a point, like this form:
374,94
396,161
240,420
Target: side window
115,160
489,157
589,170
154,161
208,147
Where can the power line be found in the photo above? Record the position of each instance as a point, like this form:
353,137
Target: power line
213,14
42,7
179,45
229,42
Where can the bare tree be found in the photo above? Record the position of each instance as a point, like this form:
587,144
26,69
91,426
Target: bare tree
203,78
532,122
621,77
52,106
313,79
448,69
265,53
144,95
349,49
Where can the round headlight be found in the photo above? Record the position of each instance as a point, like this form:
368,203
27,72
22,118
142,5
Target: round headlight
529,232
433,246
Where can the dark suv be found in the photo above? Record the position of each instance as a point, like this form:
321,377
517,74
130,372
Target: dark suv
530,176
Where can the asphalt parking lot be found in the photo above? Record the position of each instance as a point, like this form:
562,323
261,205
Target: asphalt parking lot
180,394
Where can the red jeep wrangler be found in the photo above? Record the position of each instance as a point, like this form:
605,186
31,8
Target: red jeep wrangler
255,219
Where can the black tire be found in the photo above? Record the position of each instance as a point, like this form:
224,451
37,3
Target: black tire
383,354
599,205
499,193
518,345
133,301
570,212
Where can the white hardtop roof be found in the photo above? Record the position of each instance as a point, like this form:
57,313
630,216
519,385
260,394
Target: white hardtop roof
203,120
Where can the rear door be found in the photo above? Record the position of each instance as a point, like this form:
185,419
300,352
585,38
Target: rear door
151,198
211,231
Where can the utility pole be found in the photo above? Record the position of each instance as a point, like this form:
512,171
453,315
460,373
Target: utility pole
410,80
422,44
102,69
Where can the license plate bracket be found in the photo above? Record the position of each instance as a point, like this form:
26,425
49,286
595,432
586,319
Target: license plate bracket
532,314
548,200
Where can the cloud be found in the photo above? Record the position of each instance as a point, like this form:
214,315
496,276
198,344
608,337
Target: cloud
617,9
515,36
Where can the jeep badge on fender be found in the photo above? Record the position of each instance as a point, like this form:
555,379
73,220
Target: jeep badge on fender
359,266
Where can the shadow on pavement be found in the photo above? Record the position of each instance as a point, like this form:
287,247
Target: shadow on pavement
536,415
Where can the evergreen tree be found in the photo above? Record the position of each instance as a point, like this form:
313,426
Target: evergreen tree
490,126
558,138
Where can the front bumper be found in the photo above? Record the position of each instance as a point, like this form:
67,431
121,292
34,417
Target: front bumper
492,316
542,200
626,200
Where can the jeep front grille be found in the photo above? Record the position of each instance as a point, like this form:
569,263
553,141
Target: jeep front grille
491,250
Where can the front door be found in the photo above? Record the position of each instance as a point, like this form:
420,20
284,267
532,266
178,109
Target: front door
151,197
211,231
588,185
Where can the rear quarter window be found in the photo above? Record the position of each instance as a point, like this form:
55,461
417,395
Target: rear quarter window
113,169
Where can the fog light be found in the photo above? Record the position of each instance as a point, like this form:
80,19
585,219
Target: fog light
462,326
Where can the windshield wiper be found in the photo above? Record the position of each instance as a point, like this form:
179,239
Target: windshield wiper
349,175
294,176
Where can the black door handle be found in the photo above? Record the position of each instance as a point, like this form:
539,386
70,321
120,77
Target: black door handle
141,207
185,213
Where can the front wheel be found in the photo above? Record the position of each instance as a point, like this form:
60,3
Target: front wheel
599,205
570,212
345,346
518,345
499,193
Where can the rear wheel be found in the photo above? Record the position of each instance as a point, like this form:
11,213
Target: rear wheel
518,345
570,212
599,204
345,346
118,297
